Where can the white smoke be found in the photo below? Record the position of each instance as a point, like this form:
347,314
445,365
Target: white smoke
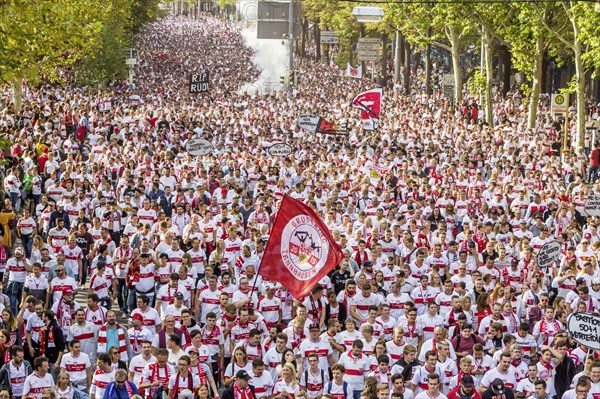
271,56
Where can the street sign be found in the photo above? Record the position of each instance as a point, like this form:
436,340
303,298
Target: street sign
371,40
329,37
369,52
131,61
559,105
273,19
368,56
448,79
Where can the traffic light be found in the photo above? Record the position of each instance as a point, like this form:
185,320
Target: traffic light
283,79
292,80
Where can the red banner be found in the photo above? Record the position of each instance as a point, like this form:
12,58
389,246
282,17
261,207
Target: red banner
300,250
369,103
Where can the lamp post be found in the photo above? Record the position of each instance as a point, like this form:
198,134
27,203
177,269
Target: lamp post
368,14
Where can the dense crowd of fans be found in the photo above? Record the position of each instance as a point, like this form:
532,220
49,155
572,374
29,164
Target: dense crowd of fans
440,215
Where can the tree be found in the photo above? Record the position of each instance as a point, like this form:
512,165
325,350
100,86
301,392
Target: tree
39,37
576,28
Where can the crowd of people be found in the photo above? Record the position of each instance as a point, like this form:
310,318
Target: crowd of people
439,213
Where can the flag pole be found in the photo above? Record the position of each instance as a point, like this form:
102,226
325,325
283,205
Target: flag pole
266,246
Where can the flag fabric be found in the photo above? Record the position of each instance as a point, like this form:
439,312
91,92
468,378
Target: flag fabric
369,103
300,250
353,72
326,127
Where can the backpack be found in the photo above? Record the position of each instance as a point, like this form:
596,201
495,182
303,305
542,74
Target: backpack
473,336
344,386
322,377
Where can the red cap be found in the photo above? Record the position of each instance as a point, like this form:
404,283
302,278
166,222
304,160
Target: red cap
137,316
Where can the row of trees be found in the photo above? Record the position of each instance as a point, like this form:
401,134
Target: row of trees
527,35
68,40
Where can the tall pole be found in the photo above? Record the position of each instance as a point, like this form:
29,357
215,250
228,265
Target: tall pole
566,132
397,58
290,44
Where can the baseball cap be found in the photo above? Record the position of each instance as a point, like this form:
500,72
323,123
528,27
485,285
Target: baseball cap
368,263
243,375
191,349
497,386
587,236
68,290
186,394
580,280
179,295
596,281
467,380
137,316
314,326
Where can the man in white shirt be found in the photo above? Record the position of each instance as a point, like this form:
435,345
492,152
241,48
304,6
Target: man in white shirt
39,380
78,366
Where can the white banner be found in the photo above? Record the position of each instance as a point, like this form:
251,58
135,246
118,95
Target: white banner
585,329
308,122
199,147
279,150
549,254
592,205
354,72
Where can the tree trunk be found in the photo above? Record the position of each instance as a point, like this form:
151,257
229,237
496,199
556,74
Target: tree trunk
489,75
406,78
428,88
363,65
536,87
18,94
304,36
580,94
454,39
384,59
506,64
317,34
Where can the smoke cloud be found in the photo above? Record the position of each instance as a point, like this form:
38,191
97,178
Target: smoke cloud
271,57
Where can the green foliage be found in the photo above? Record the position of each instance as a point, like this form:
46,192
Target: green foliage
108,61
477,81
39,37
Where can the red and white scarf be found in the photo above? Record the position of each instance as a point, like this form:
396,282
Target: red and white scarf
190,381
122,343
239,393
547,333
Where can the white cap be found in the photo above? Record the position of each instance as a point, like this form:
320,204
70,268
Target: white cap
186,394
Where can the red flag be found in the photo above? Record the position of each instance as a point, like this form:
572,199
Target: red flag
300,250
369,103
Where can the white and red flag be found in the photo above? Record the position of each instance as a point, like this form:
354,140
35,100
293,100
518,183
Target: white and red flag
353,72
369,103
300,250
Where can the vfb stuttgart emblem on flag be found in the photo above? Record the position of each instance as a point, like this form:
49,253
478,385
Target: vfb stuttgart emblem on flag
304,248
